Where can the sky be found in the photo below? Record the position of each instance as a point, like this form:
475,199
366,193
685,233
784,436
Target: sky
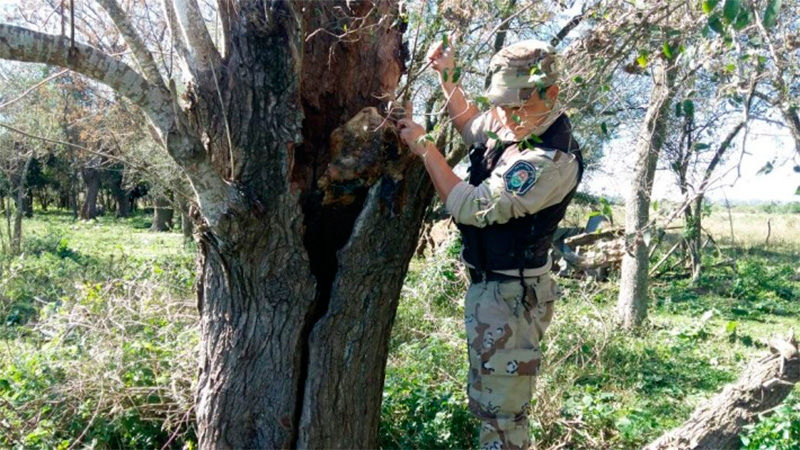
738,182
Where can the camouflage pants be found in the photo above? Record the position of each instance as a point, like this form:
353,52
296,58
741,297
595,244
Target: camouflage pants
503,334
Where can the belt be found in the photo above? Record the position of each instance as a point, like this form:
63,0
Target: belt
477,276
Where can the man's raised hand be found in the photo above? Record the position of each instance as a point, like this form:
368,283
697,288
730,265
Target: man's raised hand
442,57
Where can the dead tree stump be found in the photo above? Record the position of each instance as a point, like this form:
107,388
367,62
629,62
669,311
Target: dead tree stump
717,423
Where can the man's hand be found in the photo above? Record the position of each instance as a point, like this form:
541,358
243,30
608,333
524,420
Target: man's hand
442,57
412,133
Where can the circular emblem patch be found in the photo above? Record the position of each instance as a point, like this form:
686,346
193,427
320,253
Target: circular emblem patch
520,177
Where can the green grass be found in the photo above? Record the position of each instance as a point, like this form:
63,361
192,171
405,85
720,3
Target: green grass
100,341
602,387
100,330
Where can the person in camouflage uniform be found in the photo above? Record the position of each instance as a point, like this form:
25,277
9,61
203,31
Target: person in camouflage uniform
524,169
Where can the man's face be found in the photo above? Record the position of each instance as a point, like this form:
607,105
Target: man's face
532,109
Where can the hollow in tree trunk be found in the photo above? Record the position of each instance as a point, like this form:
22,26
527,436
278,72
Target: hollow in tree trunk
309,209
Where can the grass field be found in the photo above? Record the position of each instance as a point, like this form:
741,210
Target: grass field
100,343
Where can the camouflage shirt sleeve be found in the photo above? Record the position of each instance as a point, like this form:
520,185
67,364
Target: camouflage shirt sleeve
525,184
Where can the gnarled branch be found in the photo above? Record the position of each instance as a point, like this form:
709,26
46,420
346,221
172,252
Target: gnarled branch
143,56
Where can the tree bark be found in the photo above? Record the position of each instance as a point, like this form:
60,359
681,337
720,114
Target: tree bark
91,177
309,208
717,423
163,214
16,237
311,278
694,238
632,301
187,225
123,201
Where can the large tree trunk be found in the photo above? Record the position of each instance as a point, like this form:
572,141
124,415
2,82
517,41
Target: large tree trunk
298,294
163,214
123,200
187,225
16,236
717,423
91,177
309,207
633,300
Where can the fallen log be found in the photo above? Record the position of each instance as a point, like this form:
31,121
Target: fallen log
717,423
590,238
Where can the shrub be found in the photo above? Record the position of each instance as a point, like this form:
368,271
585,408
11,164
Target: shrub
778,430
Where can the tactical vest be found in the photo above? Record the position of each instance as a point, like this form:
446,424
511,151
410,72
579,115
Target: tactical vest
522,242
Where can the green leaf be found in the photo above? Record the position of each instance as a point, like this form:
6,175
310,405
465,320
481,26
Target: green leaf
709,5
445,40
716,24
679,109
483,101
578,79
642,60
444,75
731,326
516,119
654,205
743,19
701,146
536,138
797,192
493,135
667,50
604,128
771,13
796,169
731,10
429,138
688,107
766,169
456,74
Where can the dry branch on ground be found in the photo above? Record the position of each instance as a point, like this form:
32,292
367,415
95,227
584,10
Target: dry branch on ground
717,423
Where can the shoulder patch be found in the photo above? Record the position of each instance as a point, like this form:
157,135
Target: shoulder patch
520,177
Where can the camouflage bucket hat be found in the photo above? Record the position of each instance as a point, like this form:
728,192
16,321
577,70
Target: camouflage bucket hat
520,69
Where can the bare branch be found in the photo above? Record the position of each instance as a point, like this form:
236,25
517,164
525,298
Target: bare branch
143,56
201,48
32,88
225,10
21,44
566,30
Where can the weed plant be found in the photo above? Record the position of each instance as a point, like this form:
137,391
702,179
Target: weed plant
100,338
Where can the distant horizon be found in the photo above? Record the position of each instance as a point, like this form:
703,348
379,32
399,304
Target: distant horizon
778,186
